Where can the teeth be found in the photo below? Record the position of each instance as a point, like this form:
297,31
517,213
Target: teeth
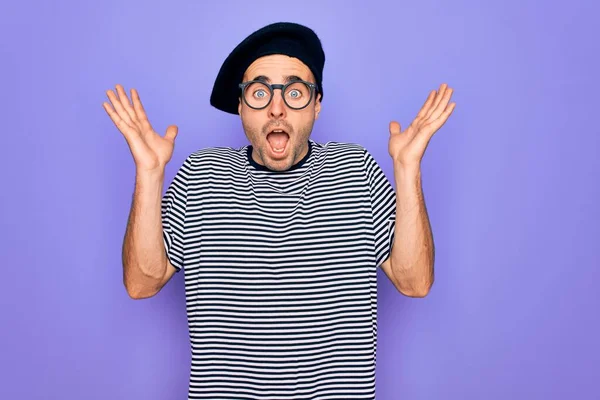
278,150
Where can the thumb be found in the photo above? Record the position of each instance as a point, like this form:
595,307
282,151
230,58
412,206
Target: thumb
171,133
394,128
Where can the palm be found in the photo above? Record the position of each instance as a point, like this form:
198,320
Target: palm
407,147
150,151
155,148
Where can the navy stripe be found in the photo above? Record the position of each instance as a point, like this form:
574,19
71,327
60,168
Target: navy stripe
280,271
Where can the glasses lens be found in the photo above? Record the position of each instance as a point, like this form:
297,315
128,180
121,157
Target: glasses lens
297,95
257,95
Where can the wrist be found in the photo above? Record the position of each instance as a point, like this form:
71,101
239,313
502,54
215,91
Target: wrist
407,172
150,177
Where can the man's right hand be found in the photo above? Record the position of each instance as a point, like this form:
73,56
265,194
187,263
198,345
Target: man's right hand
150,151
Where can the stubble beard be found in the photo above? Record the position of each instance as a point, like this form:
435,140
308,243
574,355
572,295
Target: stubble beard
256,136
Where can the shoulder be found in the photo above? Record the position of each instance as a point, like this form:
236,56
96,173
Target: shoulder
340,146
210,158
349,154
341,151
227,153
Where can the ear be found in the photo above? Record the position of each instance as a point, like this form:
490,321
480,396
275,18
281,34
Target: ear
317,106
239,105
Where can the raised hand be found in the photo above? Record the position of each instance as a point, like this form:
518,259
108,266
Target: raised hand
151,152
407,147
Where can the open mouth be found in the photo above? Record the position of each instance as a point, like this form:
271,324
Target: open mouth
278,140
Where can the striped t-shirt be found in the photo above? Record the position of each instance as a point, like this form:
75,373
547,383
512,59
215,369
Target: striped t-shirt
281,271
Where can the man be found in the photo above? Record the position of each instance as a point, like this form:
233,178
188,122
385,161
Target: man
280,240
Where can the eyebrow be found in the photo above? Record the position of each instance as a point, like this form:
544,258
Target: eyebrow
285,79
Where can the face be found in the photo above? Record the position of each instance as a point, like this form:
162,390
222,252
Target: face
296,124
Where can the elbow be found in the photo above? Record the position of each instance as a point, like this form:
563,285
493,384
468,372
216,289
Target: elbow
138,291
139,294
417,290
138,284
416,293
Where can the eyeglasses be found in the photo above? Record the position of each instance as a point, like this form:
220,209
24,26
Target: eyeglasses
296,94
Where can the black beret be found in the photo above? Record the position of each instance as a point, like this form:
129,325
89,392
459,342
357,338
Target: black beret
286,38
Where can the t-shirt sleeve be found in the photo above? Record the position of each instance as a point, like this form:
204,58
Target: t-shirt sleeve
383,206
173,209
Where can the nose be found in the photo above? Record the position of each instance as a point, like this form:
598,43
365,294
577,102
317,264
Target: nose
277,106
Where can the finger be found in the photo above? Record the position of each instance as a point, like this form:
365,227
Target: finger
394,128
436,124
427,105
442,105
171,133
127,105
116,103
114,116
139,110
125,129
438,98
131,136
447,112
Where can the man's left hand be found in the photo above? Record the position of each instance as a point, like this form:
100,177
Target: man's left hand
407,147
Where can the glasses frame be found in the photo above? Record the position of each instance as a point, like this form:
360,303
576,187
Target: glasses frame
282,87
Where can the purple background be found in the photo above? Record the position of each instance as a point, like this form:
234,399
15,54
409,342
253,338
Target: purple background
511,184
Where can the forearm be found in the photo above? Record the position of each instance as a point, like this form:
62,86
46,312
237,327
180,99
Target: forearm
144,258
412,255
